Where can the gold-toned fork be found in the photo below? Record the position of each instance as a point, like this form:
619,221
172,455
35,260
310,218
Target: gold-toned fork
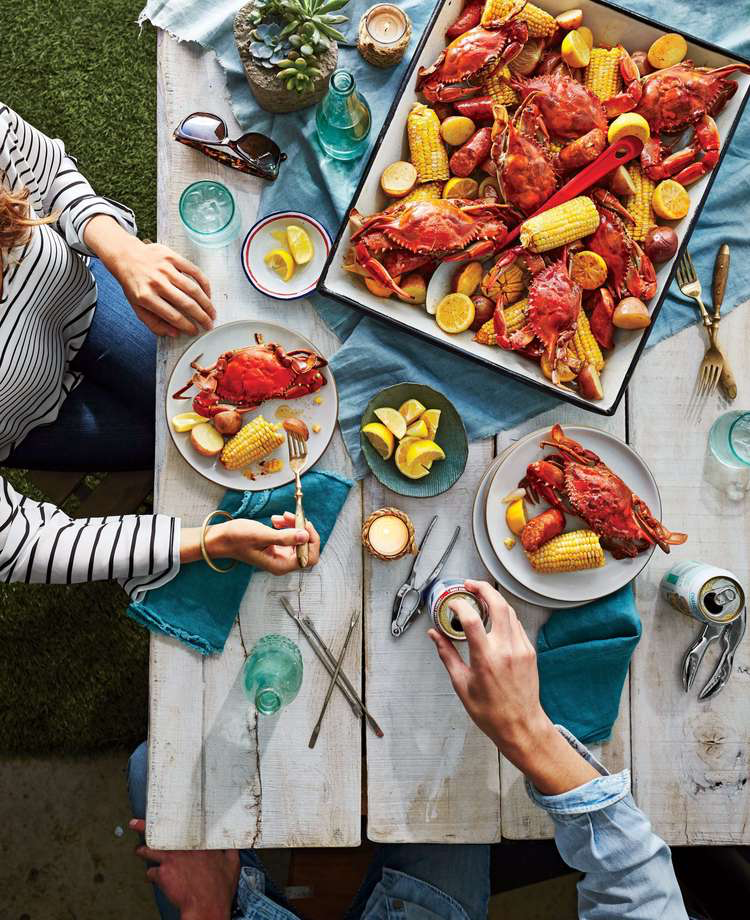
713,360
297,458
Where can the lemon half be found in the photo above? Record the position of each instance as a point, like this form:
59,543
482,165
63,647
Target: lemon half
300,244
279,261
381,438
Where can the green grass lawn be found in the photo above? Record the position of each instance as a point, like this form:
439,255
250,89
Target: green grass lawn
74,669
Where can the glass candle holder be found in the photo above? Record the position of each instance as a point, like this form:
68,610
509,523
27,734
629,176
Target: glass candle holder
384,34
210,214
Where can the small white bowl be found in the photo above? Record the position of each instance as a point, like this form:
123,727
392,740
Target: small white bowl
259,241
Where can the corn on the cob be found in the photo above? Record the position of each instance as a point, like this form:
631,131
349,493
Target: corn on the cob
515,317
602,75
428,153
540,23
252,441
570,552
562,224
556,146
586,346
498,87
424,192
639,205
510,283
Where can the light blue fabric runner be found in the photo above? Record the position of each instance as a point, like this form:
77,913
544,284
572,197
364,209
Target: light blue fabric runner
376,355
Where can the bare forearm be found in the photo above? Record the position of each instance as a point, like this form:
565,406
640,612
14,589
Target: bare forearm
107,239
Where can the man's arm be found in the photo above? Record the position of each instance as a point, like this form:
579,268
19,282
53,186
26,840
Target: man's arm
598,828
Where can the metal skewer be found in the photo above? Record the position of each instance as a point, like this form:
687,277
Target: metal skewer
316,730
308,630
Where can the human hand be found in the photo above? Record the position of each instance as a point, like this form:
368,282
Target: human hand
499,689
200,883
269,548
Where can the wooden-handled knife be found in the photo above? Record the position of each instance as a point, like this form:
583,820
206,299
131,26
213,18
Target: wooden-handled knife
727,381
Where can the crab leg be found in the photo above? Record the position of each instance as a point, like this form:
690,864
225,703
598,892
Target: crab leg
376,269
629,98
654,530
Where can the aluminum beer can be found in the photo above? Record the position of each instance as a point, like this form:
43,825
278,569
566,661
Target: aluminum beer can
439,595
704,592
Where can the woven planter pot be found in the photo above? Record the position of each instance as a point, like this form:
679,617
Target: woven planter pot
265,85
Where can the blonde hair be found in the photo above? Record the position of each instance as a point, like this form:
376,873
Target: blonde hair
16,221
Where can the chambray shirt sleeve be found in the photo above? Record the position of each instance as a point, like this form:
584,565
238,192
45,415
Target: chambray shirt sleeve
600,831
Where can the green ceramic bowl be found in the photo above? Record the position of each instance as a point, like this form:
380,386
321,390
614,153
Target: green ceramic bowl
451,436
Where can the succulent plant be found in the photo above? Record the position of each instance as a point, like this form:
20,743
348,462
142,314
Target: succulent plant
290,35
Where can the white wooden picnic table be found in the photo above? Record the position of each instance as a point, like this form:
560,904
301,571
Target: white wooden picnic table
219,777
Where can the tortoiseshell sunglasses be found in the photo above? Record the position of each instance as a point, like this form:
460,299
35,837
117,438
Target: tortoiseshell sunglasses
252,153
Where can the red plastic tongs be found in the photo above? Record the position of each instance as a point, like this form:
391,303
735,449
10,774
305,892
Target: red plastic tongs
622,151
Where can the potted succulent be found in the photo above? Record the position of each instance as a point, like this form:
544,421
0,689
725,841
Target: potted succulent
289,50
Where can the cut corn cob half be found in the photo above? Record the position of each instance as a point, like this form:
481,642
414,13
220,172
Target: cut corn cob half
639,205
498,87
424,192
602,76
426,147
540,23
252,442
585,345
515,317
570,552
562,224
510,283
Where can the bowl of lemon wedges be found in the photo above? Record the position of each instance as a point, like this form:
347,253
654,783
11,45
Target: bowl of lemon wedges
414,440
284,253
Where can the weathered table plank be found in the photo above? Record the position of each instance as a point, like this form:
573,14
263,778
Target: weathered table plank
213,783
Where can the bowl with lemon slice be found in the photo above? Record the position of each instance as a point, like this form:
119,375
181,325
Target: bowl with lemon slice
283,254
413,440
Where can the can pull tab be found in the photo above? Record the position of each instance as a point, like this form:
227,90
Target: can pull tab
726,596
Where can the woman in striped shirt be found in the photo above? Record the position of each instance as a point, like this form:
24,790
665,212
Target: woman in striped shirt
77,378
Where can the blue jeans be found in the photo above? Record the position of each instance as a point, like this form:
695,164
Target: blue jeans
404,881
107,422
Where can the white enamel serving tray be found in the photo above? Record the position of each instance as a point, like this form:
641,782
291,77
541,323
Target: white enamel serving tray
610,25
237,335
589,584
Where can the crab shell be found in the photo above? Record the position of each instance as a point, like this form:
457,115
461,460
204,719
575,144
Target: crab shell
679,96
525,169
569,109
631,272
554,304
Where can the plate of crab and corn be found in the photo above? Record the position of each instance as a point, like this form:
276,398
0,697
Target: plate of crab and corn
505,103
237,392
574,513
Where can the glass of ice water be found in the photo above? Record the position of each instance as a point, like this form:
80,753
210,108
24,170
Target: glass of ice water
729,440
209,213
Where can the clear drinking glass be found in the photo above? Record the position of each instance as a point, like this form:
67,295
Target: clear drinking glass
273,673
729,440
210,214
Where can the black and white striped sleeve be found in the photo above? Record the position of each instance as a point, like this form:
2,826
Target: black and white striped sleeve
56,185
39,543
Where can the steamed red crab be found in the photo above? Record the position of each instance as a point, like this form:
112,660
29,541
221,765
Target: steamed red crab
575,480
244,378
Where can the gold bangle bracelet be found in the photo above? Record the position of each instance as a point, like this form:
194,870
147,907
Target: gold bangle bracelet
204,552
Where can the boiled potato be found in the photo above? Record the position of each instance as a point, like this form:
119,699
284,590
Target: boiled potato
570,19
415,287
206,440
378,289
667,51
466,278
398,179
631,313
457,129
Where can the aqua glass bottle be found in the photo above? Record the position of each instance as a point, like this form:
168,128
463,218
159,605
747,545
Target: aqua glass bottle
343,118
273,673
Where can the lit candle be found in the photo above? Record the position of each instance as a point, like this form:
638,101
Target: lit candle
384,33
386,23
388,535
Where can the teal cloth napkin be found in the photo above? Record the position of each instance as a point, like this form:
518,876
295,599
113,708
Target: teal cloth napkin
376,355
583,655
199,606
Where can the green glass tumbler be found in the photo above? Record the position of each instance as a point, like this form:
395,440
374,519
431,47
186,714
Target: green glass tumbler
343,119
210,214
273,673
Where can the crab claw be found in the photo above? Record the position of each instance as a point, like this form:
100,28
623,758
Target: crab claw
568,447
655,530
376,269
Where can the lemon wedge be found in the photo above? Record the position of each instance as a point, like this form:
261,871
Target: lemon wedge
431,418
411,410
515,516
393,421
423,451
417,471
381,438
418,429
300,244
279,261
184,421
280,236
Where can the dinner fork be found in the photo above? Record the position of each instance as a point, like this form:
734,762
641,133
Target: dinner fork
713,360
297,459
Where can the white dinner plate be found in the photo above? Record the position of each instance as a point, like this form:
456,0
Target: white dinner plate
589,584
487,554
237,335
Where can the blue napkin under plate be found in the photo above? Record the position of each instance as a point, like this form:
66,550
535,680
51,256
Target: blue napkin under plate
199,606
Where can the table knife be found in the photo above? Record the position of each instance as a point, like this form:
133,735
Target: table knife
727,381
